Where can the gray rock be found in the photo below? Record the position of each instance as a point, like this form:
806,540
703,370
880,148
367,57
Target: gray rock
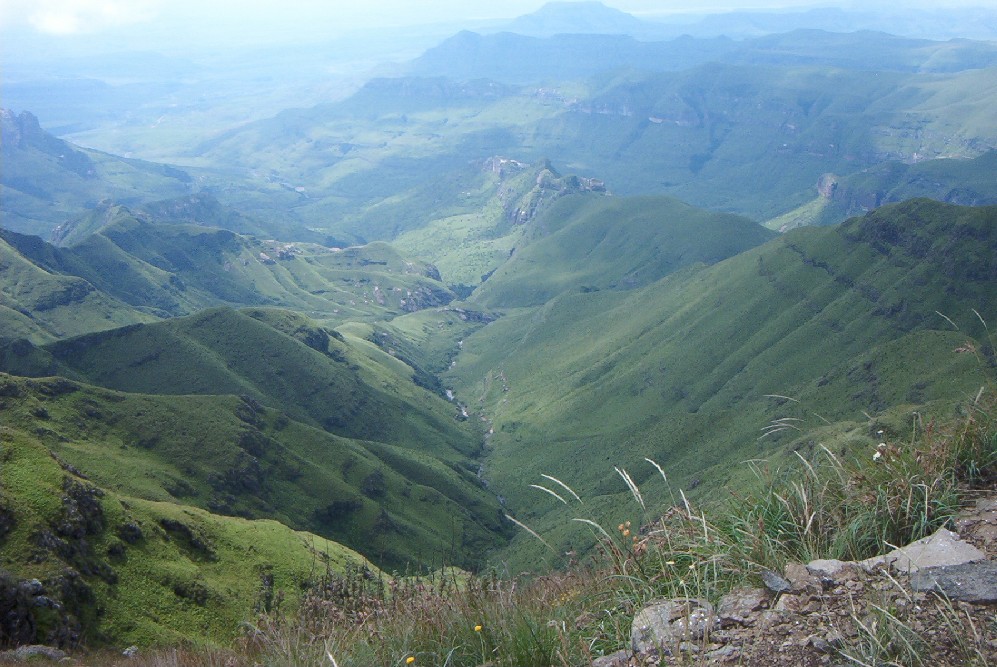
821,644
724,653
969,582
835,639
741,605
26,653
31,587
666,624
130,652
942,548
800,578
618,659
45,602
833,570
775,583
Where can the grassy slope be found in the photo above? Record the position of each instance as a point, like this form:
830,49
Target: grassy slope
967,182
755,140
502,205
47,180
200,209
137,269
747,138
398,505
592,243
325,381
185,575
841,318
41,304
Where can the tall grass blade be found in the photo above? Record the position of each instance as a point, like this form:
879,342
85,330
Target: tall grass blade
546,490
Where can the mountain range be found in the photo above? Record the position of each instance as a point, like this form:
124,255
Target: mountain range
576,253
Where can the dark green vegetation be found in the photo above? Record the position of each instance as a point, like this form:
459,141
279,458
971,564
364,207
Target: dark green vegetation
821,506
687,371
590,244
136,268
114,553
357,452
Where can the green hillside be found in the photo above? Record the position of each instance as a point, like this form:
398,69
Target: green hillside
967,182
347,386
42,305
499,206
755,140
407,505
752,139
592,243
136,268
46,181
201,209
123,567
844,320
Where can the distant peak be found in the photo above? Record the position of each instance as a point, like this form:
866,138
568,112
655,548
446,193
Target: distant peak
585,17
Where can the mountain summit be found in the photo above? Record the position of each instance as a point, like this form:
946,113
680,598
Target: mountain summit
557,18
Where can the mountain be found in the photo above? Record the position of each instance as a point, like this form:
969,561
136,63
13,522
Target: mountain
46,180
752,134
264,414
967,182
751,139
688,370
591,17
85,560
520,59
915,22
136,268
42,305
202,209
619,243
948,23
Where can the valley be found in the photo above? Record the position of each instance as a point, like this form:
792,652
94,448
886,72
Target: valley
458,305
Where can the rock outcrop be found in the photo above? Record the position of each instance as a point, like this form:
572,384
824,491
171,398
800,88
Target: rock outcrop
828,612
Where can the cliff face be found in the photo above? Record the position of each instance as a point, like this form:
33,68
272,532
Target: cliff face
23,132
548,187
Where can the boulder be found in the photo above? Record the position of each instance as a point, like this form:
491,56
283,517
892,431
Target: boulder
941,548
618,659
666,624
969,582
776,582
801,579
833,571
741,606
33,653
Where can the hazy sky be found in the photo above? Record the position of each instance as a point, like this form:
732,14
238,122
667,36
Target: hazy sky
174,25
67,17
75,16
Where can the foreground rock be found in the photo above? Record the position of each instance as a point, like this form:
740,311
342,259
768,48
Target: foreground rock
970,582
942,548
941,590
666,626
33,653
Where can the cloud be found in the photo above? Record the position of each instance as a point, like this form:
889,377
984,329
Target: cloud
72,17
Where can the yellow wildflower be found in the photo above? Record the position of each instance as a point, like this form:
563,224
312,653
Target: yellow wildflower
477,628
